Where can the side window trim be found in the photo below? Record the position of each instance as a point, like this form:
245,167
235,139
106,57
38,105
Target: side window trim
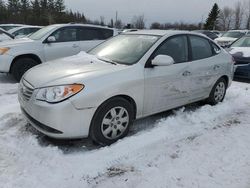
148,62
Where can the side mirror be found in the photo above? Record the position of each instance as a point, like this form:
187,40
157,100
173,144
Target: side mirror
51,39
162,60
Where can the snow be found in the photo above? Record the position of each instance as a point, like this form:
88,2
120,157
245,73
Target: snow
242,51
194,146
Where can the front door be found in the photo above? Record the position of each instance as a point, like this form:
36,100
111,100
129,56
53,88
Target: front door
167,87
66,44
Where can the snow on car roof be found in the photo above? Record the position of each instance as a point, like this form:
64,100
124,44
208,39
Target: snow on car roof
160,32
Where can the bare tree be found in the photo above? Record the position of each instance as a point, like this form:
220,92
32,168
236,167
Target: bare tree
118,24
102,20
139,22
247,13
238,15
155,25
225,18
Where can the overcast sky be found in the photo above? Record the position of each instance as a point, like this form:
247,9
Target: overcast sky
153,10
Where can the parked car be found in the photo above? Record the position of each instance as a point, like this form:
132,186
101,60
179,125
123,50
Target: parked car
218,33
229,37
136,74
4,35
129,30
7,27
240,50
49,43
209,34
20,32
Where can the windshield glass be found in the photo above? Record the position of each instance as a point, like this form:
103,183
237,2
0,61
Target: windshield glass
124,49
7,28
243,42
42,32
234,34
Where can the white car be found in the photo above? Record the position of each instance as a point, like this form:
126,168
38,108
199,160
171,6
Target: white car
4,35
50,43
133,75
229,37
20,32
7,27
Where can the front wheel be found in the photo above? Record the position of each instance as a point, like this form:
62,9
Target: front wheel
111,122
218,92
22,65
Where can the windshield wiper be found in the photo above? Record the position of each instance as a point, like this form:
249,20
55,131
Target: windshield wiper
107,60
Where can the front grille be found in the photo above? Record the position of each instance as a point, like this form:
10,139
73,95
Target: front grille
26,90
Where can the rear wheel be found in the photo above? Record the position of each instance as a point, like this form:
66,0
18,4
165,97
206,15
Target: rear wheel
218,92
21,65
111,121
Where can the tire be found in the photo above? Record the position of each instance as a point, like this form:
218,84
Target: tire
21,65
218,92
111,121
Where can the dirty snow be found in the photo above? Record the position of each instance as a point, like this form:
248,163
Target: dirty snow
194,146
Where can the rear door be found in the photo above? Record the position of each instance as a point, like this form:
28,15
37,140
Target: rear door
91,37
66,44
204,68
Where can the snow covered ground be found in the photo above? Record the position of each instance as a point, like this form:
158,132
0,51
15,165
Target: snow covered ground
196,146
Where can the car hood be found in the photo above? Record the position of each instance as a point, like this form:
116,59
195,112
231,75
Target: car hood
15,42
74,69
240,51
225,39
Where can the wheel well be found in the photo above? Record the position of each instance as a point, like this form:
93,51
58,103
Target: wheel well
226,78
32,56
127,98
131,101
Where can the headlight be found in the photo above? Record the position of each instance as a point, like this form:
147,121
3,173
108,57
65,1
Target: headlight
57,94
4,50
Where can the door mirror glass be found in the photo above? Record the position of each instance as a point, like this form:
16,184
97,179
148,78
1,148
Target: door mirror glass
162,60
51,39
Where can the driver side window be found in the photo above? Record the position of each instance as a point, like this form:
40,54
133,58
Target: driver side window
175,47
65,35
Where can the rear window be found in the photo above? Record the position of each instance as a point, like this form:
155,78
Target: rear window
201,48
95,34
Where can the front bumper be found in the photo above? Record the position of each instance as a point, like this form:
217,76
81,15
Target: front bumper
61,120
5,63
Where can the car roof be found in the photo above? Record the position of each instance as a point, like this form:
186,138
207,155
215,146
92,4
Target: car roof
23,27
12,24
85,25
243,31
161,32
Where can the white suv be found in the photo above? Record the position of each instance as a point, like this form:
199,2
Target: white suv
49,43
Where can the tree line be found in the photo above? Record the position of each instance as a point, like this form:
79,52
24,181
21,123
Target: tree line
46,12
226,18
37,12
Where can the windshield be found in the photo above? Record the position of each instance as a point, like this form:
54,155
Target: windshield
243,42
42,32
7,28
124,49
234,34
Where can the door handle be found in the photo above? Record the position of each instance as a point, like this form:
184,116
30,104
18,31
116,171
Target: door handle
216,67
186,73
75,46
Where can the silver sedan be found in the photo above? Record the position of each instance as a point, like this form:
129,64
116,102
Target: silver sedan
100,93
